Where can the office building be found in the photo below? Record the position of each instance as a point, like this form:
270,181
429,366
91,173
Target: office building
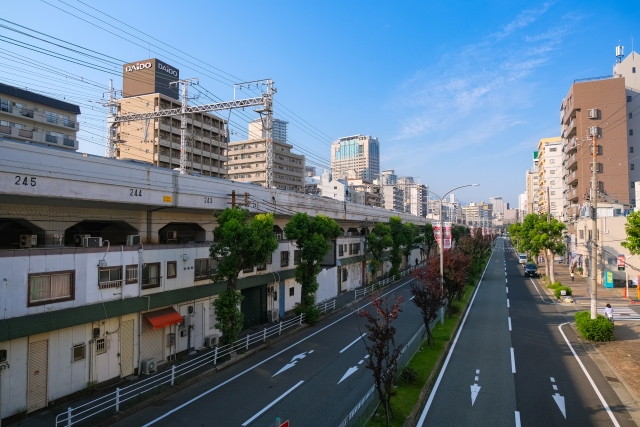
498,205
31,117
157,141
359,154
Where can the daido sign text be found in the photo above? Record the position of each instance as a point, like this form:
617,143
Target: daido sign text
143,66
167,69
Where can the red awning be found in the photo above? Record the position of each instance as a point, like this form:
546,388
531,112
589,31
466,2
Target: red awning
164,317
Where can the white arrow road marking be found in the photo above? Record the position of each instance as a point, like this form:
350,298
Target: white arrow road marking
352,343
293,362
349,372
560,402
474,393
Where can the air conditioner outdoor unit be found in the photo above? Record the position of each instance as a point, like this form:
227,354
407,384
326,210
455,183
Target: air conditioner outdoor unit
147,366
593,113
28,240
78,239
92,242
172,235
133,239
211,341
274,316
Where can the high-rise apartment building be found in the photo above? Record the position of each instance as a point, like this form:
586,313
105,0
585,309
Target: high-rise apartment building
550,172
357,155
146,87
596,107
531,186
31,117
278,130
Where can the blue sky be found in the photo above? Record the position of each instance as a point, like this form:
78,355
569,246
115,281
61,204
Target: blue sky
456,92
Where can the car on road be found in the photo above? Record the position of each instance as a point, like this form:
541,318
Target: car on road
530,270
522,258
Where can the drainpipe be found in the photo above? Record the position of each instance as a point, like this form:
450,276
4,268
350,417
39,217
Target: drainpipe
140,252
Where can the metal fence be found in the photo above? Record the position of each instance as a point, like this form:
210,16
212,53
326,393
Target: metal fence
113,401
363,410
360,292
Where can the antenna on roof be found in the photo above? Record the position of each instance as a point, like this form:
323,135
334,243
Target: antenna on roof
619,52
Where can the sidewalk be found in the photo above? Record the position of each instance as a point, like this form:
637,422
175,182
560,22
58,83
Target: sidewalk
622,356
47,416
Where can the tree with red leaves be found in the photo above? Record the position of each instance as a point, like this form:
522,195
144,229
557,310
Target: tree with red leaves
428,296
456,270
382,349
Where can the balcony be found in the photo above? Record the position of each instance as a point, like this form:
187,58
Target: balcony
572,162
52,139
110,284
151,282
572,195
68,142
25,133
572,146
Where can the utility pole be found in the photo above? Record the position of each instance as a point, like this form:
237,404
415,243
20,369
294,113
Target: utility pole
594,226
233,198
183,121
111,104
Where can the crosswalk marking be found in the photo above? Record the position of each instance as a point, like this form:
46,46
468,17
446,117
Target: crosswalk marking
621,313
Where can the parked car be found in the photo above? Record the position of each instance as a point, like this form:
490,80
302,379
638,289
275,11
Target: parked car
530,270
522,258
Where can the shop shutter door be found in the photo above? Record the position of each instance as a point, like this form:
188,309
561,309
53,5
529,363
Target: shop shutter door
126,348
37,375
152,344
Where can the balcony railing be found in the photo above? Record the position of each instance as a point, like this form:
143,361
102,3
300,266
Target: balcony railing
52,139
151,282
68,142
110,284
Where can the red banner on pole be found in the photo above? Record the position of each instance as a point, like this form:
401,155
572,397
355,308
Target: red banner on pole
446,237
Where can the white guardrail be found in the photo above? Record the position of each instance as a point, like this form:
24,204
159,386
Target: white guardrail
114,399
369,289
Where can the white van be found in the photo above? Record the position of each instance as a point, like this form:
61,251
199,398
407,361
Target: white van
522,258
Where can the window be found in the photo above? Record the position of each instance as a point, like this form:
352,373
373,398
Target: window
552,161
261,267
553,149
46,288
600,185
78,352
632,184
631,149
101,346
340,250
247,270
131,274
590,234
297,257
630,132
270,260
345,274
632,166
553,193
633,69
553,203
172,270
5,105
630,115
109,277
553,171
51,117
628,98
599,150
203,268
284,259
151,275
552,182
292,291
599,167
581,234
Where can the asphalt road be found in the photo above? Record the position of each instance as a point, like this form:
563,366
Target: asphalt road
512,354
313,378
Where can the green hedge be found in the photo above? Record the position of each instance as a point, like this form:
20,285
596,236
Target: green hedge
557,291
555,285
599,329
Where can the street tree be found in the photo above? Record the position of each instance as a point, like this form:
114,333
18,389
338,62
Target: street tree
632,228
377,242
312,236
457,231
428,296
398,238
456,266
411,240
428,239
241,242
382,349
549,237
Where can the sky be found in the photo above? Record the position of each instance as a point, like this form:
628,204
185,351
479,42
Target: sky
457,92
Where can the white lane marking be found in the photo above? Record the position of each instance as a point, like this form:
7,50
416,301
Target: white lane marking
266,360
555,387
536,286
348,373
476,378
282,396
508,303
423,416
506,280
477,371
553,380
513,362
352,343
509,319
367,356
518,419
595,388
507,289
360,362
310,351
412,298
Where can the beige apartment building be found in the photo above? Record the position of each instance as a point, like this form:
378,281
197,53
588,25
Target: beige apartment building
31,117
550,184
146,87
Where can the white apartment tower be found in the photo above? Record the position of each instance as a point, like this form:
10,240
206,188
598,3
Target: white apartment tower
279,130
550,182
357,153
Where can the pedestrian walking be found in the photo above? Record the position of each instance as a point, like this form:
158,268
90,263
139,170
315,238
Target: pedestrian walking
571,274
